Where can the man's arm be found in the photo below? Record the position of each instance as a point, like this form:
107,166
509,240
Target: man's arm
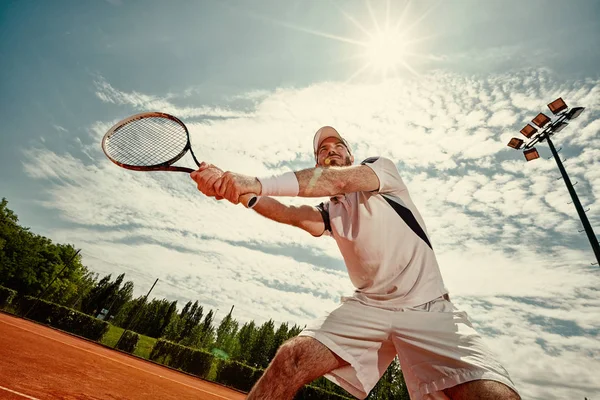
304,217
312,182
326,182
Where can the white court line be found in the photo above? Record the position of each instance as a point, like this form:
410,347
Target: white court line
115,360
19,394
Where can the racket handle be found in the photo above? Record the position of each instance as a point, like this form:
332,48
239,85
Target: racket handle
249,200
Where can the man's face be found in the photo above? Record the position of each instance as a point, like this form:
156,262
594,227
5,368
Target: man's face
333,153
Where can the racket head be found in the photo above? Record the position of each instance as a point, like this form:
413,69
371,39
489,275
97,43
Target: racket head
149,141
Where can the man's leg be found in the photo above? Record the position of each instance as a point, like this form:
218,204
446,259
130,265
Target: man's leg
481,390
298,361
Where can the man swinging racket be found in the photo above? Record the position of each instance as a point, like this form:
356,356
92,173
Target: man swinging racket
400,306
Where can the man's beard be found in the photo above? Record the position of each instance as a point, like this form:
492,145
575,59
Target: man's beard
337,162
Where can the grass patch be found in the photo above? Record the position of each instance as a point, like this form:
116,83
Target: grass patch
111,337
144,346
142,349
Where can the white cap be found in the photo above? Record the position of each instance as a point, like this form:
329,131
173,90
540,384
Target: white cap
324,133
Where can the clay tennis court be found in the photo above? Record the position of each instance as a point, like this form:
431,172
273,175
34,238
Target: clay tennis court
39,363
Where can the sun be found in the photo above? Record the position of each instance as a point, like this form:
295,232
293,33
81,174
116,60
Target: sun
386,51
387,47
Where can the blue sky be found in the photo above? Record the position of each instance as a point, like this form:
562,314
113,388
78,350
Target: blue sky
253,81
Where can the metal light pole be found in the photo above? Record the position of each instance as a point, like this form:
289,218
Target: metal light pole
584,219
136,314
560,109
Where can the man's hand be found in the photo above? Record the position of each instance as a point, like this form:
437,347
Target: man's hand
205,177
231,186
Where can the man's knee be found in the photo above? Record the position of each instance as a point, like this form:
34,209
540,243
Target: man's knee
483,390
303,354
287,358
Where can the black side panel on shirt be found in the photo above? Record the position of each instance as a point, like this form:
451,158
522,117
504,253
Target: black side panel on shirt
408,218
325,216
369,160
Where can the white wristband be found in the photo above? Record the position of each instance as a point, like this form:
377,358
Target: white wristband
281,185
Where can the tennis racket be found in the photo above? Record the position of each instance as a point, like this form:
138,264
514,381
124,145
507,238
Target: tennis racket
153,141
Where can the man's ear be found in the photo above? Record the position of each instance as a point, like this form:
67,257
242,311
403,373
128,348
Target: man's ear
352,159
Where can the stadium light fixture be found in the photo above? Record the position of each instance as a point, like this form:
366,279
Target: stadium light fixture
558,127
557,106
531,154
515,143
575,112
563,114
528,131
541,120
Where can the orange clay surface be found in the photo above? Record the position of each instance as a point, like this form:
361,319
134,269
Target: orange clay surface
40,363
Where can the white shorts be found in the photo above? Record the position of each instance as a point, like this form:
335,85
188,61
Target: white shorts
436,345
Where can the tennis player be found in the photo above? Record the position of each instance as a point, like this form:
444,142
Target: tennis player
400,305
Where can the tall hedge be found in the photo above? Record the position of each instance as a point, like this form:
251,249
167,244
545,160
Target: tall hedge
62,318
6,296
128,342
313,393
237,375
243,377
194,361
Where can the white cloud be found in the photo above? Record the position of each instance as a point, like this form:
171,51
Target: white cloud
502,229
143,102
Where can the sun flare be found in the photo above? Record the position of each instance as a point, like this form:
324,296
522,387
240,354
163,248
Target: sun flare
386,51
387,47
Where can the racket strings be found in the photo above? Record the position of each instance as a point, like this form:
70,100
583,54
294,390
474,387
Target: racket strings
153,145
154,142
147,142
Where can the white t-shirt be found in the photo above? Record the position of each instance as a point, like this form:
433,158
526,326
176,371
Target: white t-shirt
384,242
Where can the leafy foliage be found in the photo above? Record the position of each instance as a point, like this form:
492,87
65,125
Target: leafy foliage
309,392
226,334
237,375
194,361
6,296
391,386
107,295
259,355
128,341
62,318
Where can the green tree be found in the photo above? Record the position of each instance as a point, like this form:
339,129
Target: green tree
259,355
29,262
169,317
245,342
391,386
92,303
122,296
84,286
226,333
207,331
280,337
171,332
128,311
156,316
189,319
294,331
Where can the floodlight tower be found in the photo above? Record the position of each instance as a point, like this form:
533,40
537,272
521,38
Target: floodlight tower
548,128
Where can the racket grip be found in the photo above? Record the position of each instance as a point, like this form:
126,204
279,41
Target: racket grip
249,200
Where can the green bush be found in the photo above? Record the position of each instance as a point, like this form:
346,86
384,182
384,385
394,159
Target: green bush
313,393
193,361
237,375
243,377
62,318
6,296
128,342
